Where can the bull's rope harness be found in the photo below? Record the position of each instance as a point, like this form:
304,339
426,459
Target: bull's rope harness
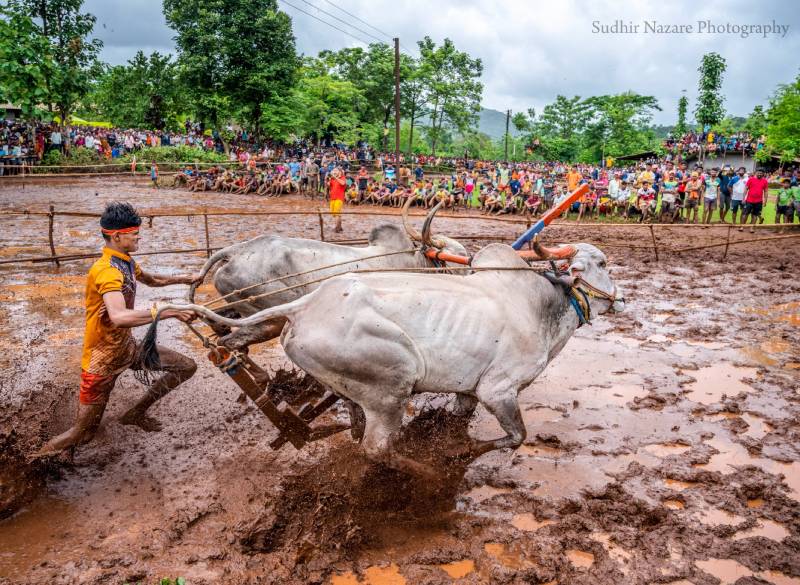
578,292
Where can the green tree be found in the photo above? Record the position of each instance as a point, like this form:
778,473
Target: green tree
783,127
560,127
282,117
451,79
25,63
727,126
329,107
143,93
681,128
413,98
756,123
372,72
619,124
67,31
709,109
236,56
524,121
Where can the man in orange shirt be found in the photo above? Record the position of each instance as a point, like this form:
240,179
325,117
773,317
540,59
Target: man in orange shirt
108,345
337,185
573,178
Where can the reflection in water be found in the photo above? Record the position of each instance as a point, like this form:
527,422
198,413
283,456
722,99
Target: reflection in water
667,449
458,569
677,484
715,517
529,523
372,576
580,559
726,570
509,557
711,382
767,529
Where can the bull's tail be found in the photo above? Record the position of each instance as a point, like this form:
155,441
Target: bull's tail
147,351
218,256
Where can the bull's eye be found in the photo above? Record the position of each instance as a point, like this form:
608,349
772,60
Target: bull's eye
603,264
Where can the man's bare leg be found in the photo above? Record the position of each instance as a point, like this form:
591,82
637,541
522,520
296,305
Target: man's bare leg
82,431
177,369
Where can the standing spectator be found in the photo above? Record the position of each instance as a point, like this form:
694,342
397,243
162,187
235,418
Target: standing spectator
404,175
312,172
710,195
724,193
693,188
784,212
56,140
336,188
363,179
573,177
737,186
755,199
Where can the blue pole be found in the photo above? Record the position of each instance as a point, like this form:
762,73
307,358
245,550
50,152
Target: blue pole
550,216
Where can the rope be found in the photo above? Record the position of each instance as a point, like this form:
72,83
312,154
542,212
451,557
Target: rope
241,290
379,270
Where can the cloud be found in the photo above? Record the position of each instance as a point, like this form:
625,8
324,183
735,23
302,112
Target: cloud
533,50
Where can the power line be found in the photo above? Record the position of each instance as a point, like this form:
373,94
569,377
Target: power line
343,21
326,22
359,19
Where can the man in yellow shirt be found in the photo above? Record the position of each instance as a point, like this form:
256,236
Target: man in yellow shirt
108,345
646,176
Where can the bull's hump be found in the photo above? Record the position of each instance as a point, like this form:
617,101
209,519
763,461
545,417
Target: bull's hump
498,255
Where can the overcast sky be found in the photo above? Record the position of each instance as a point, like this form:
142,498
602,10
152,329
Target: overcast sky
533,50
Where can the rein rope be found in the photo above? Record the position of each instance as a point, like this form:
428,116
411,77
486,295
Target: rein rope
442,269
270,281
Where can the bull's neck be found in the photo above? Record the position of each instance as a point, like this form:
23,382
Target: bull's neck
566,322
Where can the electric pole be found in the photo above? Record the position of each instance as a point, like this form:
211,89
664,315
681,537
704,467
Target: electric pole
397,104
508,119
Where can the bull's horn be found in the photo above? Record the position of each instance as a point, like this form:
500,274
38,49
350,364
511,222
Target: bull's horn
426,229
544,253
412,233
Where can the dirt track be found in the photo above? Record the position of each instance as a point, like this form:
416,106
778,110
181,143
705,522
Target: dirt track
663,443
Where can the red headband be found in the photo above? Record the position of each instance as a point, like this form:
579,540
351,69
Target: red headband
127,230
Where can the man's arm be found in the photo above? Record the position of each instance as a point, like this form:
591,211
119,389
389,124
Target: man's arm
154,280
121,316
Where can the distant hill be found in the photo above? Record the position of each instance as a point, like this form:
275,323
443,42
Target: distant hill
493,123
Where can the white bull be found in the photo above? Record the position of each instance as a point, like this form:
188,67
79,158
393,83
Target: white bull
281,266
379,338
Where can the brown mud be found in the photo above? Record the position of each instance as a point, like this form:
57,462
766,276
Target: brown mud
663,443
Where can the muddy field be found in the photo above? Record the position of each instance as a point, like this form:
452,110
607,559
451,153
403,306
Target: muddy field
663,443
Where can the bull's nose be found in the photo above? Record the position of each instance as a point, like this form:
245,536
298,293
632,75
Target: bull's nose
618,306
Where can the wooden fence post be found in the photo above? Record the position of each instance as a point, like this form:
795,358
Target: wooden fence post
727,242
528,226
321,225
655,244
208,240
50,218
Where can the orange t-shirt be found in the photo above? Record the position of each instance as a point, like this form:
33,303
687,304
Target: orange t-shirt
572,180
108,349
